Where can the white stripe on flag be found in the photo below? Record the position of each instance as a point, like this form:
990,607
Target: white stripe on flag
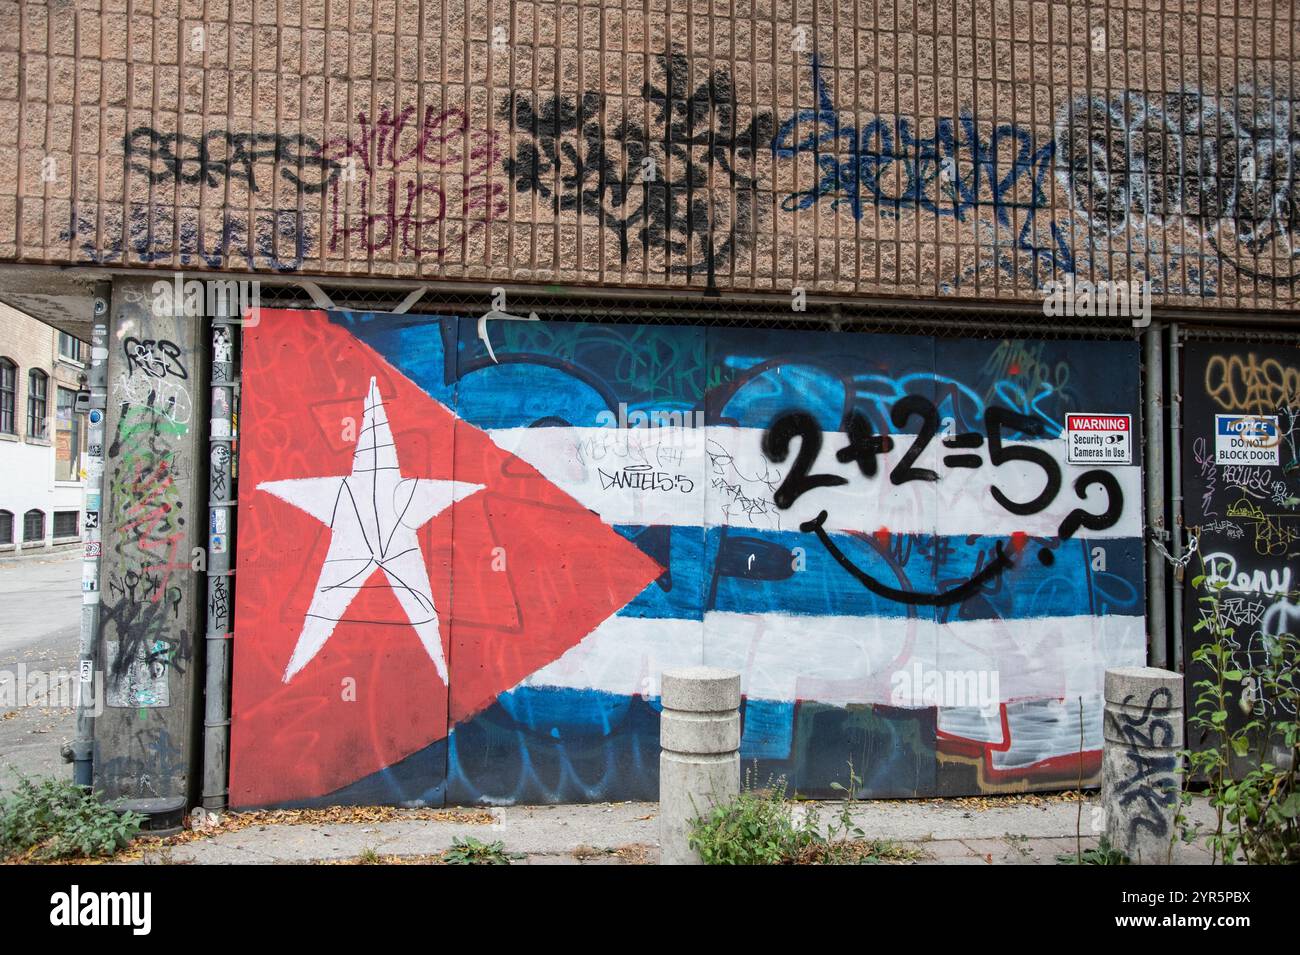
843,660
718,476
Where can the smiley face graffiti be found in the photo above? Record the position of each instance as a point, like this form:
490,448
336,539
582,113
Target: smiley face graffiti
864,448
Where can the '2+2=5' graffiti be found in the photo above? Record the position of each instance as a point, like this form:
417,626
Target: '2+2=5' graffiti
864,447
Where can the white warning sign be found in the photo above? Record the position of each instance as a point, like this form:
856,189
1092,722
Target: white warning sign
1245,439
1099,438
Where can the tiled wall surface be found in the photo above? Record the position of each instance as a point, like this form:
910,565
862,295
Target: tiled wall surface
963,148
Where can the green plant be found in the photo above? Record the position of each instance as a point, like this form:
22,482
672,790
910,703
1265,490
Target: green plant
842,833
1250,768
469,851
1102,854
757,827
764,827
54,819
1019,844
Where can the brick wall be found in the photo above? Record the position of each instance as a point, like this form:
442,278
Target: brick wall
964,148
27,460
32,344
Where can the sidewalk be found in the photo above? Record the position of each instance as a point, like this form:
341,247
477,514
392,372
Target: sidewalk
993,831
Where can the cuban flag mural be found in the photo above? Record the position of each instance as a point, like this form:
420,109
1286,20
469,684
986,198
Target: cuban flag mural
468,548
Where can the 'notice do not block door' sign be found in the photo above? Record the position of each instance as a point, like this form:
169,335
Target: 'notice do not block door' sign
1099,438
1245,439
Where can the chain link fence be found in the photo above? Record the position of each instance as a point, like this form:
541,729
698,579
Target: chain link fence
618,306
966,319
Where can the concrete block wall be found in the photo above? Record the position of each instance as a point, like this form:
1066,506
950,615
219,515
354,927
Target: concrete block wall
972,149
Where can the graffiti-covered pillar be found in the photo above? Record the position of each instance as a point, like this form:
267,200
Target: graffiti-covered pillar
151,596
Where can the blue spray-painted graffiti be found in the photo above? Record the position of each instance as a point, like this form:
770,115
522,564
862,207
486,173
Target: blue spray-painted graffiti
277,240
950,174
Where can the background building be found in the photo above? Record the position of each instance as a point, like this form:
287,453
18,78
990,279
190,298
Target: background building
42,437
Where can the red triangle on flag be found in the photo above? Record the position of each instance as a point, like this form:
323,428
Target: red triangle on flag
519,572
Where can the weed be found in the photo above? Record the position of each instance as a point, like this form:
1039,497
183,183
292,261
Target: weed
469,851
54,819
755,828
1018,844
764,827
1103,854
1250,770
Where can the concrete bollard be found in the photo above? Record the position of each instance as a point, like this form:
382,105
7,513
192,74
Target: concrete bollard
699,762
1142,732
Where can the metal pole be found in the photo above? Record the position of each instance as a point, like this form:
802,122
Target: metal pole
221,504
81,751
1154,460
1176,484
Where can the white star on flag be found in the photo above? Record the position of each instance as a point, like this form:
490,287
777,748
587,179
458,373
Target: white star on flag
373,514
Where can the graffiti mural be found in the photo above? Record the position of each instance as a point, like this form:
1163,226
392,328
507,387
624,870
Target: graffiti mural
1241,470
461,575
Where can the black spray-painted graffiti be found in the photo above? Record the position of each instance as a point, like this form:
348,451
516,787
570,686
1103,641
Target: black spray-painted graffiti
674,172
1231,170
1151,781
864,447
156,358
221,154
277,239
658,186
219,605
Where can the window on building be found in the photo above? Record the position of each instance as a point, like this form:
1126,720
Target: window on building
6,527
34,525
67,437
8,395
37,389
65,524
69,347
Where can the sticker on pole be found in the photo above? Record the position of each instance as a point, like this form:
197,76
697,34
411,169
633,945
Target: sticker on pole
1099,438
1245,439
